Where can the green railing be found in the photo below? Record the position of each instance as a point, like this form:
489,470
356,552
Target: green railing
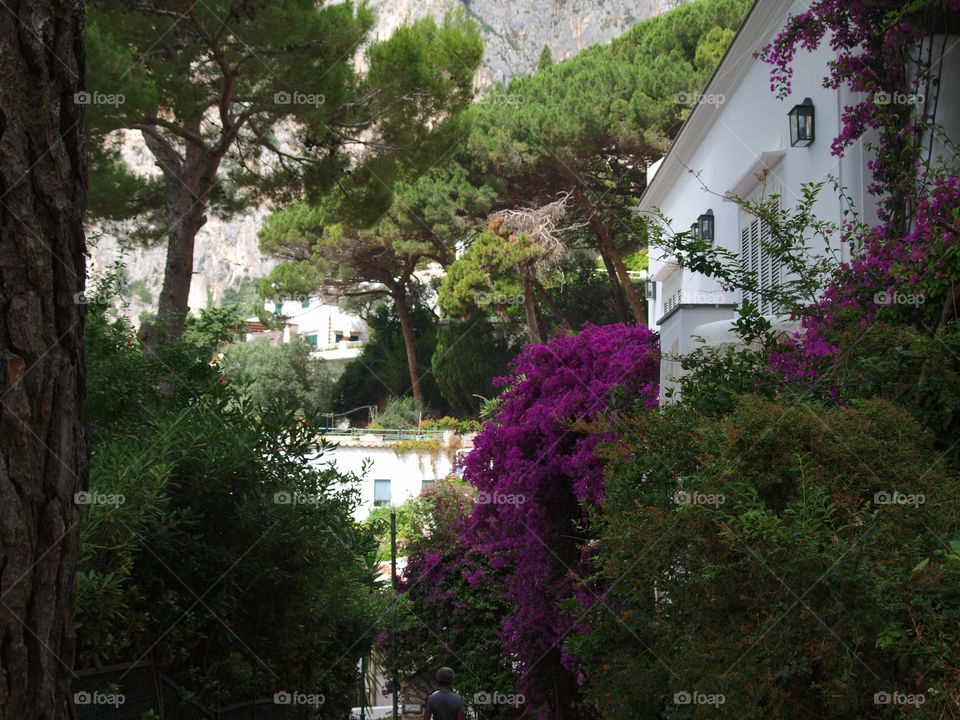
384,433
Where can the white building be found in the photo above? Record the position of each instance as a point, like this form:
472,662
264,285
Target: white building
399,463
736,141
333,332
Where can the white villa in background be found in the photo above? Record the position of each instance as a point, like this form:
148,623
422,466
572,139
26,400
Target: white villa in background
396,470
334,333
736,141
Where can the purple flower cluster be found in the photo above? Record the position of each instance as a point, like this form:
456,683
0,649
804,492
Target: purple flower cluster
889,266
543,476
877,53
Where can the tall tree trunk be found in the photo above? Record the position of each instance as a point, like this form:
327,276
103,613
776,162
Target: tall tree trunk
189,181
530,309
615,289
399,294
43,449
638,308
554,308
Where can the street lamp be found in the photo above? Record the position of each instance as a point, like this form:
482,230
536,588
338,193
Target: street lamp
801,124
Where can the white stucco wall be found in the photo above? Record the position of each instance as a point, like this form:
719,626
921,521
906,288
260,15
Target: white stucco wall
740,128
407,471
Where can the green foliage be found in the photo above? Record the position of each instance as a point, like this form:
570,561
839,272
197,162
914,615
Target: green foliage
283,372
461,427
545,60
213,326
246,296
622,94
381,372
210,541
732,595
468,356
487,273
378,523
400,412
440,617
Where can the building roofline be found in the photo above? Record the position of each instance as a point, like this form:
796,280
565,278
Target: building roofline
763,18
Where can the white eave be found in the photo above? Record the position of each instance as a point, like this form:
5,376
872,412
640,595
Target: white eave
670,265
764,18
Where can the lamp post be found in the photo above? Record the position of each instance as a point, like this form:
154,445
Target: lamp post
393,635
802,124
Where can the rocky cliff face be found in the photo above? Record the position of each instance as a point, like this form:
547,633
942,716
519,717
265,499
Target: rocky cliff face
514,33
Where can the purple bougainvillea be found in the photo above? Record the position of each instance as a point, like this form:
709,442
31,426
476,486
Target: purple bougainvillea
878,47
537,478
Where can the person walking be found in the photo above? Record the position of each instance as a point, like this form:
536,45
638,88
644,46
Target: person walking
444,703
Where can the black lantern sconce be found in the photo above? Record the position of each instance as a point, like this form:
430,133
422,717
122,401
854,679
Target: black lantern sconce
705,226
801,124
695,231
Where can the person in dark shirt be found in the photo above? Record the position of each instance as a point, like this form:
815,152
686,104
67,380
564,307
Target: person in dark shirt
444,704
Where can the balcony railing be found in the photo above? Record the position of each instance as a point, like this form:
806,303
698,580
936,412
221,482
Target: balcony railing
384,433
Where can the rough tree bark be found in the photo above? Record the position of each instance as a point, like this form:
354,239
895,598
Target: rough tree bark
530,310
638,308
399,294
552,305
43,451
189,181
615,289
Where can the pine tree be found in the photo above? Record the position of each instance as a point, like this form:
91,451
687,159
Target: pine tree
260,101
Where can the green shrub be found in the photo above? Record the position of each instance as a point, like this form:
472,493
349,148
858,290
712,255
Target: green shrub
280,372
232,560
778,577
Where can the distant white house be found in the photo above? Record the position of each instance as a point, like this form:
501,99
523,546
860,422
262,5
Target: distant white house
334,333
399,463
736,141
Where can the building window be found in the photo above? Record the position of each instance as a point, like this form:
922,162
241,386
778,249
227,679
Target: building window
425,484
754,234
381,493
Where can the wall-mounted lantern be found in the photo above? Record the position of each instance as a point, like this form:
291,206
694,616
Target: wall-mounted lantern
695,231
801,124
705,226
